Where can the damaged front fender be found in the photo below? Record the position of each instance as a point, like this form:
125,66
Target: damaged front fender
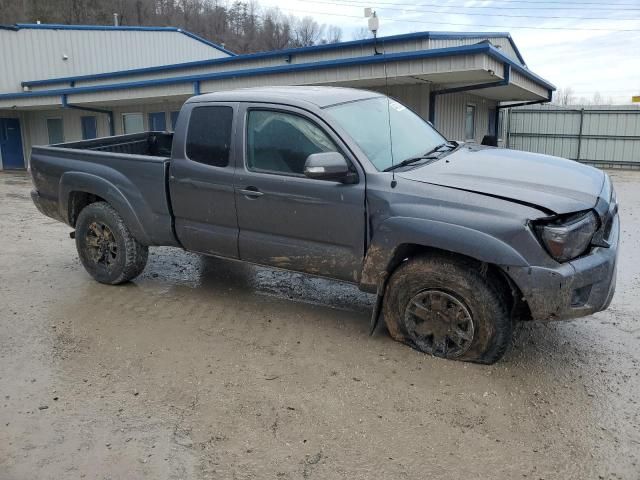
397,237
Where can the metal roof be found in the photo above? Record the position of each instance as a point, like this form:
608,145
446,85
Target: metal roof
478,48
57,26
276,53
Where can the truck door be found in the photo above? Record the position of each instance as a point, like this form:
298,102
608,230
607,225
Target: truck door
201,179
286,219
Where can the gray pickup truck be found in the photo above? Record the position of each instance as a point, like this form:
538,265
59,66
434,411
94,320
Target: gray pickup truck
458,241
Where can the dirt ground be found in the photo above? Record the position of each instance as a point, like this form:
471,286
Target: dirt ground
208,369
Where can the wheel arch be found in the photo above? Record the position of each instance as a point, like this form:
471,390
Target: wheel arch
78,189
401,239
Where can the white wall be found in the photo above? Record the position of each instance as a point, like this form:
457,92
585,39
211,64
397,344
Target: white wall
450,115
38,54
450,109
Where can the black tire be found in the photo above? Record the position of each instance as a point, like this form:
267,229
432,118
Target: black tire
107,249
449,307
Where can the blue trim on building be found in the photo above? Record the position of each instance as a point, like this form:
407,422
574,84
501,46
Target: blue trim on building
277,53
58,26
345,62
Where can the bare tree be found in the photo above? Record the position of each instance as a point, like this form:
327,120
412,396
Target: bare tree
307,32
333,34
564,96
240,24
597,99
276,30
361,34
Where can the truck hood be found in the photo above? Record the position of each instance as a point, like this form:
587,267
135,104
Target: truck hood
552,184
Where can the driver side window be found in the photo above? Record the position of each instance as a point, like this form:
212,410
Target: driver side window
280,142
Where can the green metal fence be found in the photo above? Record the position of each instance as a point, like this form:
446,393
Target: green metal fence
607,137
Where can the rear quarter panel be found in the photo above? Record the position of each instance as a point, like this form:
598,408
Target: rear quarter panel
134,185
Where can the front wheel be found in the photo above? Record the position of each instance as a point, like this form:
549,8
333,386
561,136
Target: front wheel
448,307
107,249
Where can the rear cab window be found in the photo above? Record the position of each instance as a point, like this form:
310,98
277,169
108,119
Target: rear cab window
209,135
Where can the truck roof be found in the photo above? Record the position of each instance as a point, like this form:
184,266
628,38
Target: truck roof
319,96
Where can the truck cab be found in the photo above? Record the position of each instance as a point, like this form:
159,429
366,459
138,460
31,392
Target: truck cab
245,161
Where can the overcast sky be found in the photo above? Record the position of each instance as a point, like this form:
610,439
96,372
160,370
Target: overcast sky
597,51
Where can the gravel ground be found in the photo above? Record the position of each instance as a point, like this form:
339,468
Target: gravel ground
204,368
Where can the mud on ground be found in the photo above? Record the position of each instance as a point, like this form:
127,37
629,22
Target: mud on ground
208,369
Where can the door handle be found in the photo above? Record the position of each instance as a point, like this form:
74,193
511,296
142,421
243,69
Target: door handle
252,192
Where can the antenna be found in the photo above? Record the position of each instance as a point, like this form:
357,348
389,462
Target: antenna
374,25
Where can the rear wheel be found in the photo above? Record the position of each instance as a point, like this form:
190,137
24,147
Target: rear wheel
447,307
107,249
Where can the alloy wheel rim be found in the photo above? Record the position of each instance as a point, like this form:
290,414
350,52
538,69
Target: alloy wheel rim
101,244
439,323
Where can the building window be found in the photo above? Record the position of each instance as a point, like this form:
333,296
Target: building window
281,142
55,130
493,115
132,123
157,122
209,135
470,122
89,127
174,120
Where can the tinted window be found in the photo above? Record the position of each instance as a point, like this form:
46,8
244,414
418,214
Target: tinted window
209,135
470,123
157,122
132,122
281,142
174,120
89,127
55,131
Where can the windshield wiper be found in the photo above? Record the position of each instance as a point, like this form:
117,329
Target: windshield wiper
408,161
438,148
426,156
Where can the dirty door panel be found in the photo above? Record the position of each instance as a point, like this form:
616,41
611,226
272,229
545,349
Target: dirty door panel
201,182
288,220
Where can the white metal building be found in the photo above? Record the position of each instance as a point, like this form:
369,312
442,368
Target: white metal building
63,83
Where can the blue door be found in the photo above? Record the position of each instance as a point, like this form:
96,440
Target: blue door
89,127
157,122
11,143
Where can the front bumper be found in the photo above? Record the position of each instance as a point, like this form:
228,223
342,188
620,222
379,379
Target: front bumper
574,289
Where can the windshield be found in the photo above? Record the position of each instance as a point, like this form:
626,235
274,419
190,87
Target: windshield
367,122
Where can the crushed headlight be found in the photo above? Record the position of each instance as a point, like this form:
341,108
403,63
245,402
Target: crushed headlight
568,237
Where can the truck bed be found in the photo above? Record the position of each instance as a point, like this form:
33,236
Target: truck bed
129,171
154,144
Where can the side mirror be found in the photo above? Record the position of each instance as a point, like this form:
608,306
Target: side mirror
326,166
